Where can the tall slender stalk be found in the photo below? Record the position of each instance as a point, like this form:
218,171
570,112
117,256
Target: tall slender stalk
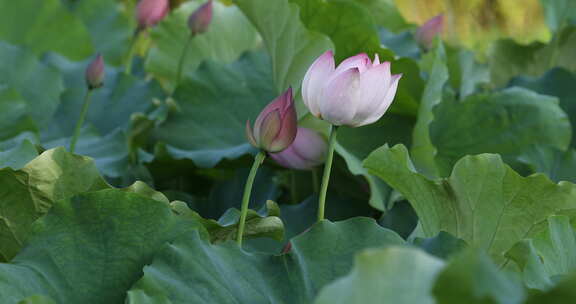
131,51
80,122
327,169
246,198
182,61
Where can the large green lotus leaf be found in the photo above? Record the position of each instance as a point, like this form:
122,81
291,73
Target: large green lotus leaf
471,277
484,202
558,13
506,122
19,155
37,299
111,106
348,23
422,149
558,165
28,193
403,44
265,223
110,28
14,117
316,258
355,144
548,255
398,275
557,82
38,85
444,245
466,74
109,235
564,292
43,26
385,14
290,44
214,107
229,35
111,154
509,59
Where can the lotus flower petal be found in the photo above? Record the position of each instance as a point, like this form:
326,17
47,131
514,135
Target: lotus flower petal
355,93
315,77
429,30
150,12
199,21
307,151
275,127
340,96
95,73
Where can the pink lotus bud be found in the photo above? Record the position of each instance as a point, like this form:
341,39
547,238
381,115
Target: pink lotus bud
199,21
150,12
356,93
275,127
306,152
429,30
95,73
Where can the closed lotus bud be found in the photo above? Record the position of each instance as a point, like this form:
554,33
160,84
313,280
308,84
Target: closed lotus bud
95,73
356,93
306,152
429,30
199,21
275,128
150,12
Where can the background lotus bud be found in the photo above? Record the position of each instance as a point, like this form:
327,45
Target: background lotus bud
356,93
275,128
429,30
306,152
150,12
95,73
199,21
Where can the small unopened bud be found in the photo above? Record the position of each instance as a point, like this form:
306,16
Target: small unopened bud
199,21
306,152
95,73
150,12
429,30
275,128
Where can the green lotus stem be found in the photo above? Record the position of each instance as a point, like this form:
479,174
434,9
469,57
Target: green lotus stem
246,198
326,176
131,51
182,61
80,122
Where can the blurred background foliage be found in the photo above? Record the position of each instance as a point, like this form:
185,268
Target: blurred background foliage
502,82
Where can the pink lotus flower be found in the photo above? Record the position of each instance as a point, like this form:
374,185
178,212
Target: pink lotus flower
356,93
275,127
199,21
150,12
306,152
429,30
95,73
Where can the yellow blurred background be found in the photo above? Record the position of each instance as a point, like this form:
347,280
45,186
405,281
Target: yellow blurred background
476,23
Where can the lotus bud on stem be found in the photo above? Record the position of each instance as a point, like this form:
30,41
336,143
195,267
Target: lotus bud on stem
94,79
198,23
429,30
274,130
148,14
356,93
